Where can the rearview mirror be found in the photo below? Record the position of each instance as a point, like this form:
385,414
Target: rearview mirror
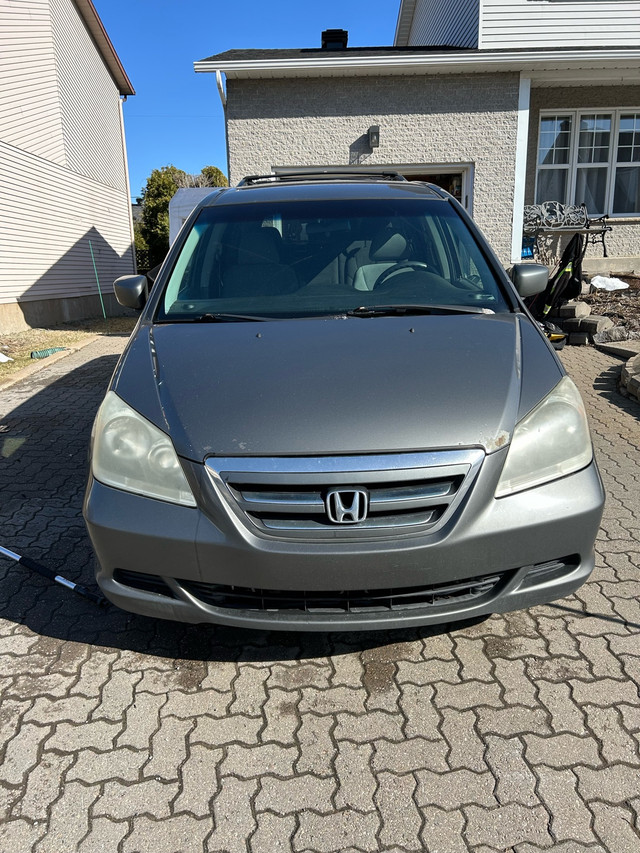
529,279
131,291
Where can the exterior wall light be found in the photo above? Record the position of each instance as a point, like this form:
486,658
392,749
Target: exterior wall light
374,136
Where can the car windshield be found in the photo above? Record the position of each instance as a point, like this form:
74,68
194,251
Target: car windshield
327,258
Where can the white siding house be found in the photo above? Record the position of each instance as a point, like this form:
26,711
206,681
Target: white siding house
65,198
494,24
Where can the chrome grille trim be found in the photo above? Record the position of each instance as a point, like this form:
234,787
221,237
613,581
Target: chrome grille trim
285,496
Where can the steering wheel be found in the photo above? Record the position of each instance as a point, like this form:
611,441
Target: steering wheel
402,266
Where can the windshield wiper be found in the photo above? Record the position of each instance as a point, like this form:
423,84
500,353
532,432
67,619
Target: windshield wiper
217,318
408,310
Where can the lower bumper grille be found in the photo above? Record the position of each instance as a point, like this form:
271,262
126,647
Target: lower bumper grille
343,601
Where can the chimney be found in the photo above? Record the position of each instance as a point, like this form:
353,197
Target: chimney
334,39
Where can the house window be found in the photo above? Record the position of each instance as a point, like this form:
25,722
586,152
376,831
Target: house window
591,157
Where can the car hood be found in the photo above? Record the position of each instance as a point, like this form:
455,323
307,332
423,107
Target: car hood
346,386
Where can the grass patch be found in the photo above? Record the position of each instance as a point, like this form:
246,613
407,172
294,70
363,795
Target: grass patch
20,345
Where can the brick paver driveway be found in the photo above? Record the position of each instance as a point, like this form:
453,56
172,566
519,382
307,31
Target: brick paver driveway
119,733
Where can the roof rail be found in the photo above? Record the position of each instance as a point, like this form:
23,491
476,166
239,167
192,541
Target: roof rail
321,174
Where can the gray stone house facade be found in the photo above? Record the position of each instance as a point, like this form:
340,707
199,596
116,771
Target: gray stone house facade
500,127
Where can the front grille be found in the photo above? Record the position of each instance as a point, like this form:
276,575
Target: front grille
288,497
421,502
343,601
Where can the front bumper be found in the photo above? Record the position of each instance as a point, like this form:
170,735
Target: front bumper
513,538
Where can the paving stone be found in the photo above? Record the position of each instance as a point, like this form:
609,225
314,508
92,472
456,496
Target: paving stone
248,762
518,689
74,709
407,755
316,745
465,747
282,718
21,754
507,826
117,696
168,748
630,717
20,835
566,716
428,671
98,735
376,724
43,785
333,833
347,670
604,692
570,818
91,767
233,816
237,728
186,706
332,700
220,676
616,745
603,663
94,673
249,691
357,784
69,820
198,780
474,662
182,833
273,834
613,826
288,796
626,645
451,790
562,847
560,641
55,686
515,783
614,784
141,721
122,801
468,695
442,831
563,750
104,835
401,821
299,676
512,721
559,669
422,717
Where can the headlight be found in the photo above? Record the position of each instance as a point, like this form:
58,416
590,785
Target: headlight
551,441
131,453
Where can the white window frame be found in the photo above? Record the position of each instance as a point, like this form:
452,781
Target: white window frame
572,167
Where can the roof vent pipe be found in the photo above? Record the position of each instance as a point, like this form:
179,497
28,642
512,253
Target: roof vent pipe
334,39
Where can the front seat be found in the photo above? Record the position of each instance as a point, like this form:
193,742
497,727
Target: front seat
388,248
258,271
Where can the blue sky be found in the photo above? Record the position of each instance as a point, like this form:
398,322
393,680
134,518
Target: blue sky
175,116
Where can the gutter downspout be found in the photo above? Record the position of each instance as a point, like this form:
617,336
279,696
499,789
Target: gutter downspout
223,101
127,185
522,140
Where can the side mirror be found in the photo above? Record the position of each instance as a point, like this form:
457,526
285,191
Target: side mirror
131,291
529,279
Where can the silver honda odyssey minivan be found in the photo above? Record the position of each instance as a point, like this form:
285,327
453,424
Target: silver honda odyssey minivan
336,413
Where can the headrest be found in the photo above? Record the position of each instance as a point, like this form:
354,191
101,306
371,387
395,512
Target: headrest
259,246
388,245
